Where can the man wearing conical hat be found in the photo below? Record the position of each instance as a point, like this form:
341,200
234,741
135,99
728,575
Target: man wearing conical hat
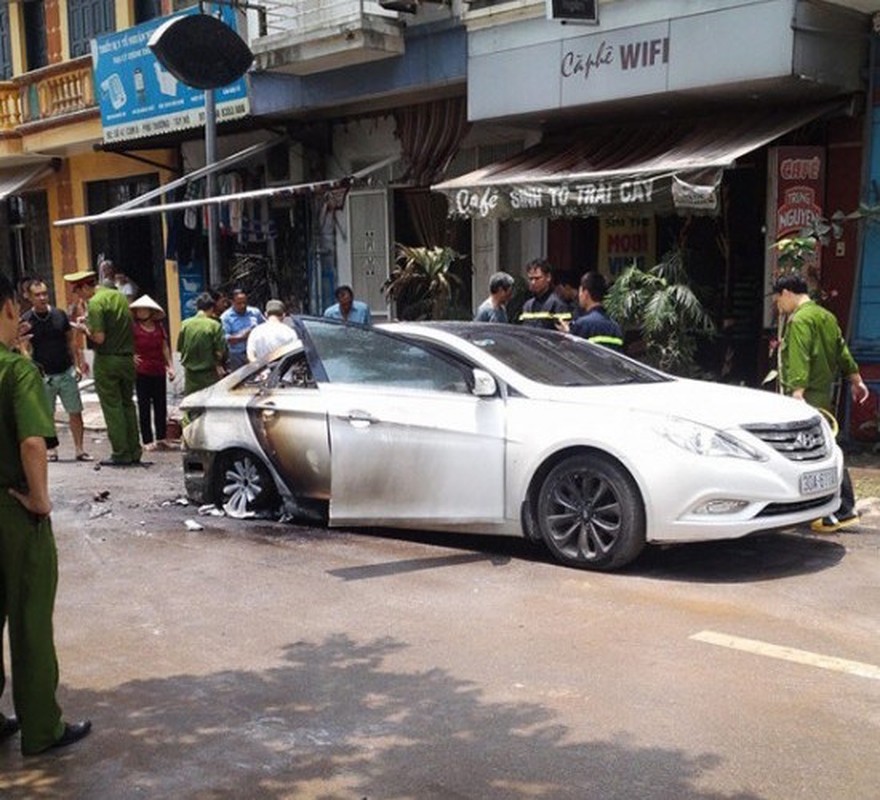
108,326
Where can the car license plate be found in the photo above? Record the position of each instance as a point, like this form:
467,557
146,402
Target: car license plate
823,480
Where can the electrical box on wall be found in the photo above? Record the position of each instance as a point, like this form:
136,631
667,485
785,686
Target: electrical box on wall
284,165
585,12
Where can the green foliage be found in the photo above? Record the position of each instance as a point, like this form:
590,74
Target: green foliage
660,303
793,252
422,285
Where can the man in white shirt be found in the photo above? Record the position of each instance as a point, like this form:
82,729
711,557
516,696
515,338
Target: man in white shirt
268,336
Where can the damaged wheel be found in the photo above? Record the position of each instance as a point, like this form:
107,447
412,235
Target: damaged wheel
243,484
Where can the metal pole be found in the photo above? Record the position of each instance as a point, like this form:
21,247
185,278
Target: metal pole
214,278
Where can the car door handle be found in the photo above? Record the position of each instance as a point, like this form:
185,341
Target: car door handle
361,419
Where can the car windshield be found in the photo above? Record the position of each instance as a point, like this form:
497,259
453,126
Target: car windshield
552,358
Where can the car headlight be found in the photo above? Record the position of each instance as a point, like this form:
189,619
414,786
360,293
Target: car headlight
705,441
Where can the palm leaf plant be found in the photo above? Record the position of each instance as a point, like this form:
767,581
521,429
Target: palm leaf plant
422,285
660,303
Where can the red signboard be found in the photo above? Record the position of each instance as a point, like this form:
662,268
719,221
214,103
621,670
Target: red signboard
798,179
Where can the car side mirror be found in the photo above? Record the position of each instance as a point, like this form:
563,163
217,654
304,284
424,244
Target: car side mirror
484,384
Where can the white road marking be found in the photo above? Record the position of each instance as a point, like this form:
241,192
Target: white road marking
858,668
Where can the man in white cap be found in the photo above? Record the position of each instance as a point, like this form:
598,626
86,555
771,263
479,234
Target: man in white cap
268,336
108,325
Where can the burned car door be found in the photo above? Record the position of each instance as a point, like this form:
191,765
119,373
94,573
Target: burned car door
290,421
409,441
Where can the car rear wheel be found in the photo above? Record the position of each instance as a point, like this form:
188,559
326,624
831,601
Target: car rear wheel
590,513
243,484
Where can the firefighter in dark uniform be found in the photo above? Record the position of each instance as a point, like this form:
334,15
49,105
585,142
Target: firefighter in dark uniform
545,309
594,324
28,558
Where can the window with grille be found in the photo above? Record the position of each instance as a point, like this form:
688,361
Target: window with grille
36,50
5,50
87,19
147,9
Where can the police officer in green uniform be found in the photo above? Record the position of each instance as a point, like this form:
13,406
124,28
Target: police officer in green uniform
108,325
813,353
28,558
202,346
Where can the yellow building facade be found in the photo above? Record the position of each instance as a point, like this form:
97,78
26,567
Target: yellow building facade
51,164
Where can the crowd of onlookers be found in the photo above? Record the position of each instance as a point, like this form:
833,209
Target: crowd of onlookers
131,355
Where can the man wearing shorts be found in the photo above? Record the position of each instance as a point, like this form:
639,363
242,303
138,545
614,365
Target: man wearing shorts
53,349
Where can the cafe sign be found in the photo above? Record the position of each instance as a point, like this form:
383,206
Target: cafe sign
627,195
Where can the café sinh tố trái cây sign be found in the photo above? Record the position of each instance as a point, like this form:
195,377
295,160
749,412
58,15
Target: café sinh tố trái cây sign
627,194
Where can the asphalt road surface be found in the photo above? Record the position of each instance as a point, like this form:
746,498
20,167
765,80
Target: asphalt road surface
254,659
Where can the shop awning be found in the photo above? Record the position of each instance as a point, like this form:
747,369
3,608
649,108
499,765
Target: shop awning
126,210
14,179
640,169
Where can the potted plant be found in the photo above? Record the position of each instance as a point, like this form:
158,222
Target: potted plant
422,284
660,303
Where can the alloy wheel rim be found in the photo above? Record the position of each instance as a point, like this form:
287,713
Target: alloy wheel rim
243,485
584,518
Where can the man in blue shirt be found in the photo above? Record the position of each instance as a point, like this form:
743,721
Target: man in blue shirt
238,321
494,307
347,308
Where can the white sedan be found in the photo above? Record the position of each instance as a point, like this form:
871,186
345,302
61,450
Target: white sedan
489,428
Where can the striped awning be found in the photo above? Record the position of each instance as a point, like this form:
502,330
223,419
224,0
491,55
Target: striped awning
646,168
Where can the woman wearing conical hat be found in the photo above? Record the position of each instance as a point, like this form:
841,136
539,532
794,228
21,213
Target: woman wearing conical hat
152,361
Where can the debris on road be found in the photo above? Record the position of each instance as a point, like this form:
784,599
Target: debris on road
210,510
192,525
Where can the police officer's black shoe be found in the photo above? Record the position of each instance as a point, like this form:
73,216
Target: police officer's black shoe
9,727
73,732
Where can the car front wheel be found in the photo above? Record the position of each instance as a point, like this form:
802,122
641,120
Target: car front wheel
243,484
590,513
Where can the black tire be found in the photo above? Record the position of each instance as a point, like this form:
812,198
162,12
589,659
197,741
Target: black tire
590,513
243,481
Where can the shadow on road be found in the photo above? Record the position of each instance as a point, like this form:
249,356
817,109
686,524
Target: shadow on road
762,557
335,721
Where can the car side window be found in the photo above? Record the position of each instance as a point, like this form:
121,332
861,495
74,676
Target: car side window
294,372
352,354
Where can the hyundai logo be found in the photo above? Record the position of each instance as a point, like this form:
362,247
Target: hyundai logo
807,440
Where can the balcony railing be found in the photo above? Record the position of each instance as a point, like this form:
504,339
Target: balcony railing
10,107
310,16
57,91
316,35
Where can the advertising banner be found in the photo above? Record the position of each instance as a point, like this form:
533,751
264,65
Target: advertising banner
191,279
624,241
795,200
139,98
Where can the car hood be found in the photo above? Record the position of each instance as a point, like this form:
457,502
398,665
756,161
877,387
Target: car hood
714,404
221,387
